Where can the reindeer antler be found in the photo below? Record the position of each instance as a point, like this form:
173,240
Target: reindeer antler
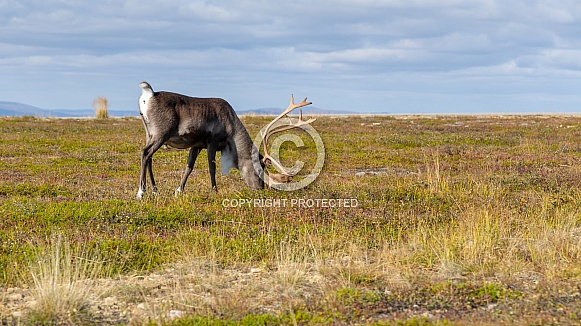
269,131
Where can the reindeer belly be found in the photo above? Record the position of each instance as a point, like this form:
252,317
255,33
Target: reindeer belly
182,143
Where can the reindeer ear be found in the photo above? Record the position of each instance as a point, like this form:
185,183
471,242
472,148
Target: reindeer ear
261,160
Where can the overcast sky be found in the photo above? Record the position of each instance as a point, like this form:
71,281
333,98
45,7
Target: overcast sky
393,56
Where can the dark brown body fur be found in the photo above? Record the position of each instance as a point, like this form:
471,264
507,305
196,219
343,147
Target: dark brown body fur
184,122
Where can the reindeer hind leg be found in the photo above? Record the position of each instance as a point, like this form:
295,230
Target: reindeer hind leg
146,162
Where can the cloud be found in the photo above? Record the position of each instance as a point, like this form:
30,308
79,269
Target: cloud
372,49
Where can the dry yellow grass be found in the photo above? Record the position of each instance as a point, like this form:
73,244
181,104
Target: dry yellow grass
101,105
64,284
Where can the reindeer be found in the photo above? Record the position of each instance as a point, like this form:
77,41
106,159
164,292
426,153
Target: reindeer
183,122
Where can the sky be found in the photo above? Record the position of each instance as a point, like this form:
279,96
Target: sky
366,56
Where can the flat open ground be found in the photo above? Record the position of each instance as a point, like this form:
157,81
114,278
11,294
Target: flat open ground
458,220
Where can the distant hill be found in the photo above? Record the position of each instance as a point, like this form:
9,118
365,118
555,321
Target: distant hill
14,109
19,109
306,111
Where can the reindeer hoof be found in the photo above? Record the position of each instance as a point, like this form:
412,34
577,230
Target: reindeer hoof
178,191
139,194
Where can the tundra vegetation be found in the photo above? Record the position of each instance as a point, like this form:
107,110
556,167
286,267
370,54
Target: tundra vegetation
459,220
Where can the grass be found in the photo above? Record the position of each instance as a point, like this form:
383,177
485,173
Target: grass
64,284
469,219
101,105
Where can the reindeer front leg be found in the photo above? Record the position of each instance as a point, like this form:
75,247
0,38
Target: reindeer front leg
191,161
212,147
